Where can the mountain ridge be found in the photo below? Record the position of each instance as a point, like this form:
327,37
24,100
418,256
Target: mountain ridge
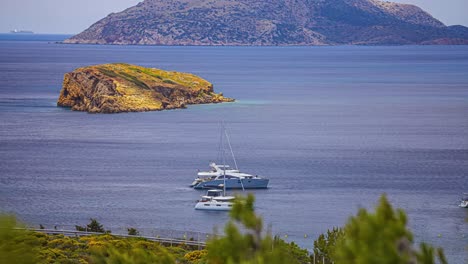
268,22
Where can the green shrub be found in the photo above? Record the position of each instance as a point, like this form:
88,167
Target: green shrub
135,255
251,246
16,246
93,226
324,245
133,232
195,256
381,237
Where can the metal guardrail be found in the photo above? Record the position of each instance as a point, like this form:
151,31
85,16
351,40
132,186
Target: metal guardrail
74,233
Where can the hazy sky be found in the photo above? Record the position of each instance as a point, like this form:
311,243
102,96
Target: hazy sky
72,16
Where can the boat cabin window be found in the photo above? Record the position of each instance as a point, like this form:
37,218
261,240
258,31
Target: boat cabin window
228,177
214,193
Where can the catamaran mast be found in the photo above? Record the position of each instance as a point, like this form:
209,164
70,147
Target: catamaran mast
230,148
224,133
224,166
232,153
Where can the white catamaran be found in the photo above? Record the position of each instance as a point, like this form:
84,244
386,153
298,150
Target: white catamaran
216,200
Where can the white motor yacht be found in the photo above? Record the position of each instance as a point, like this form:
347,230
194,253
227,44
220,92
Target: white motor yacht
233,177
230,178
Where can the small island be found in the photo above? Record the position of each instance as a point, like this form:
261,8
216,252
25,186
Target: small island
120,87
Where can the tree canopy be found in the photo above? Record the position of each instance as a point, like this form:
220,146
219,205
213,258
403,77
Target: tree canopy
382,237
245,241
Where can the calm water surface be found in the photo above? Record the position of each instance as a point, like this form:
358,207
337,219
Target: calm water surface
332,127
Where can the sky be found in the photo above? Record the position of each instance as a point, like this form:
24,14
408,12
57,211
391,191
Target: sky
72,16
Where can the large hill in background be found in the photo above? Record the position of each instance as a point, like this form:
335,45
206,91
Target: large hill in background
271,22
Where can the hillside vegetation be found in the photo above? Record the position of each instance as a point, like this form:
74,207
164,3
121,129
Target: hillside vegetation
367,238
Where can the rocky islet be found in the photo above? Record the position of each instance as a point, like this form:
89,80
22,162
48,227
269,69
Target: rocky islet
119,87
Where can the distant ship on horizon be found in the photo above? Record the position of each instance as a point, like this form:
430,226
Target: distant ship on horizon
16,31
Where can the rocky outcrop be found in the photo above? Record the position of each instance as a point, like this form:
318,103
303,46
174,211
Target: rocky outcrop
270,22
115,88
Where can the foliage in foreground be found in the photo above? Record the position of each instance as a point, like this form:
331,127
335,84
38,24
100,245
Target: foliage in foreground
252,245
367,238
380,237
324,246
16,246
24,247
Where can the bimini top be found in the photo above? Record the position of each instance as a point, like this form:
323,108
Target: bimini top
224,198
217,195
214,193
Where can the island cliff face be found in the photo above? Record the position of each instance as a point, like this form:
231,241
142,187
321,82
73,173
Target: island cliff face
271,22
115,88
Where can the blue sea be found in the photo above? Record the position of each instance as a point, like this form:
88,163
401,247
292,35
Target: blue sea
333,128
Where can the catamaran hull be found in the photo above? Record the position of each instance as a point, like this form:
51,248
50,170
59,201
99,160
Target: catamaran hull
234,184
213,206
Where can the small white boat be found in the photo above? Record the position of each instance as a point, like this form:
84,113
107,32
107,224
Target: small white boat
215,200
464,201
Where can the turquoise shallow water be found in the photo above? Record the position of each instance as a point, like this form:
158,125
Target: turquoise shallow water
332,127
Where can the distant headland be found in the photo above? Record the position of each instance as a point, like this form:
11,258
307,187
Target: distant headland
271,23
120,87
